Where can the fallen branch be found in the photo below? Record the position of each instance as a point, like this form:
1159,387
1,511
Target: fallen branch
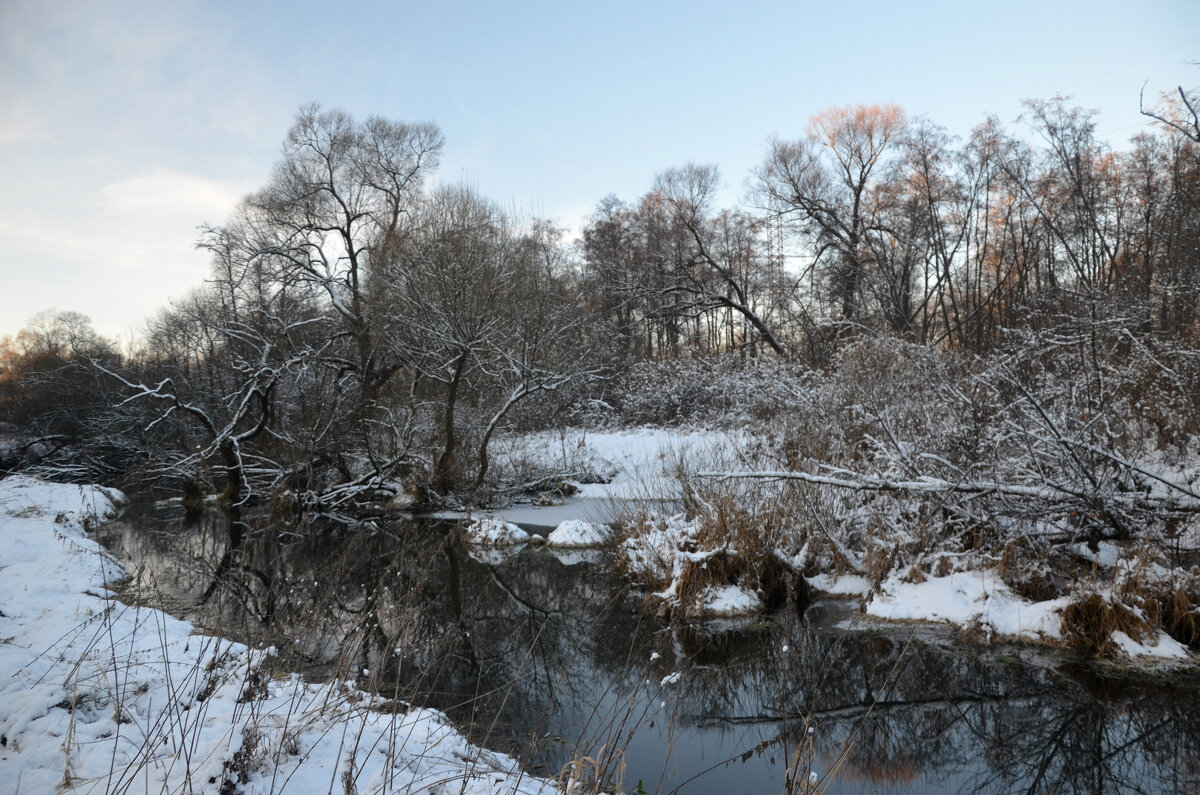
1049,492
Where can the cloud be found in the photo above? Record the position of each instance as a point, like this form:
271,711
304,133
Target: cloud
19,121
116,253
572,220
165,192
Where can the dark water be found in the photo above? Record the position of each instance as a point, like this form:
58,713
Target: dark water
550,658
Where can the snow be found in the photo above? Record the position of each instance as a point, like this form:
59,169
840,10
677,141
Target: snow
627,459
644,459
98,696
1106,556
729,600
840,584
977,599
1164,647
638,466
981,600
576,533
490,531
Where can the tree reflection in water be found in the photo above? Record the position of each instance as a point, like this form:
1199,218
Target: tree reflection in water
551,659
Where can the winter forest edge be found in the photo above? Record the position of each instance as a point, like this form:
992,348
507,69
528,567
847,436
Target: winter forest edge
914,356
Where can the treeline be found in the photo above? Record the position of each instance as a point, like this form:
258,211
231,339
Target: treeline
362,334
870,222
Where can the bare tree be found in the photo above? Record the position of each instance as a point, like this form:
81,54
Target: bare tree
340,194
719,271
474,305
52,398
1180,115
826,183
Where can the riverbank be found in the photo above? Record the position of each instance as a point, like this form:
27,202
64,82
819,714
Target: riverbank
703,533
99,696
554,663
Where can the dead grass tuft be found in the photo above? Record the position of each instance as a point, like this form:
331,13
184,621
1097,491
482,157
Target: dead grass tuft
878,561
1091,618
1181,615
1170,603
718,569
587,775
745,536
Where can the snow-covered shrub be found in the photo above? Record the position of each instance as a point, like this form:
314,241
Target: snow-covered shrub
723,389
725,557
686,576
901,460
912,453
1133,604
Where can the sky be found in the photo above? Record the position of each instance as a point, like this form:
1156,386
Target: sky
126,125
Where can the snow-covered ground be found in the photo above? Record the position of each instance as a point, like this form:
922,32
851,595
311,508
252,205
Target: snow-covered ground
638,465
488,531
99,696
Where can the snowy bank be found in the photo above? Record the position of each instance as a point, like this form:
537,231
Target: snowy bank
981,602
98,696
976,599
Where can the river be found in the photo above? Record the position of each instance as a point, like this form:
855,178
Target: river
548,656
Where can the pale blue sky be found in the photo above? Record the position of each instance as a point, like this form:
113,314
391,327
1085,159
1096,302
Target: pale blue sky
126,124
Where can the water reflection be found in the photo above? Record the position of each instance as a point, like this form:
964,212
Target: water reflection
554,659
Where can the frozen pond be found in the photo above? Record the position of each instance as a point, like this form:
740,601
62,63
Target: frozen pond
551,658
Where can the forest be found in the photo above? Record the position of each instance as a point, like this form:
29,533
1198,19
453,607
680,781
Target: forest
938,354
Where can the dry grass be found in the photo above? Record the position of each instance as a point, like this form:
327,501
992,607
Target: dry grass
1180,615
1171,604
1091,618
601,772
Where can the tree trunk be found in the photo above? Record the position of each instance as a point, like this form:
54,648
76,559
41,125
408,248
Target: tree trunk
446,471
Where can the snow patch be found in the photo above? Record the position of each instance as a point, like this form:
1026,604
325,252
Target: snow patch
1164,647
840,584
977,599
490,531
575,533
729,600
1106,556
